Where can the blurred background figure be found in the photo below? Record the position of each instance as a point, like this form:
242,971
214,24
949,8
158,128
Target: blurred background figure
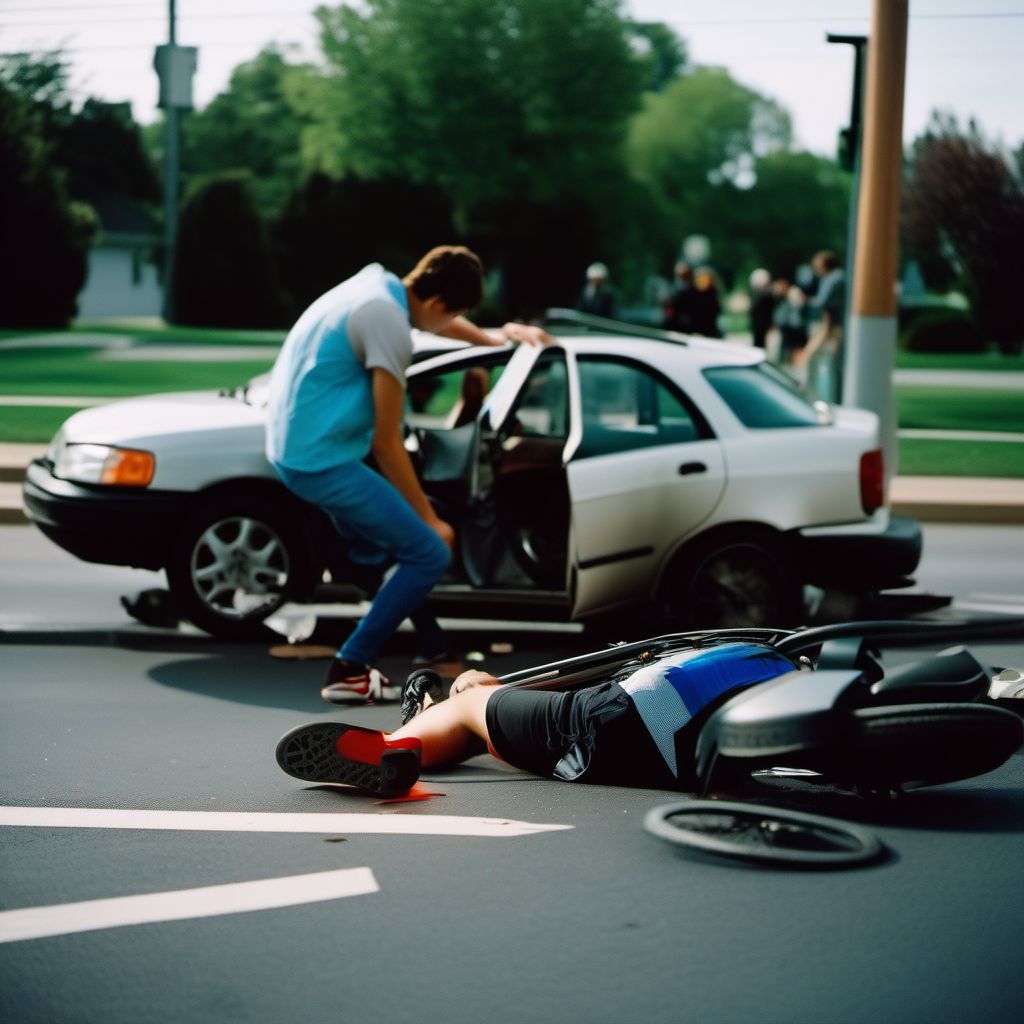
789,322
678,307
821,357
597,297
706,304
763,300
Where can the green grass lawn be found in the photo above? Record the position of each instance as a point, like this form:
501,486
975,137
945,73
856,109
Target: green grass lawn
76,371
31,424
161,335
961,458
960,409
989,361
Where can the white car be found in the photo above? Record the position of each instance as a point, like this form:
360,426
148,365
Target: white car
635,469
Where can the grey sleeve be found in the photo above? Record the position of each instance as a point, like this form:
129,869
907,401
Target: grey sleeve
378,332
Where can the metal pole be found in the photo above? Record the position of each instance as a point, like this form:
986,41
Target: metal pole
172,159
871,341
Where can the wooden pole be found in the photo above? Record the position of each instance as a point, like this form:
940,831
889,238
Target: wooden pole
871,345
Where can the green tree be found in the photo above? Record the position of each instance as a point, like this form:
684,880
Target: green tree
329,229
224,274
965,200
512,108
252,126
799,203
695,147
44,235
661,51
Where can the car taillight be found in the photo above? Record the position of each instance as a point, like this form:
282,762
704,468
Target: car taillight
872,481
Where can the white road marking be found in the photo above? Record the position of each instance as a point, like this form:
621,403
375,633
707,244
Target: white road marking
263,821
184,904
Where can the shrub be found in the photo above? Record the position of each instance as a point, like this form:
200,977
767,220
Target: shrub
224,274
946,332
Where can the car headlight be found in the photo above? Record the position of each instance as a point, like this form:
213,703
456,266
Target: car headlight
103,464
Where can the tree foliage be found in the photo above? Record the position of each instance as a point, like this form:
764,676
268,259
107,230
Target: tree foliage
331,228
252,126
487,99
224,274
44,235
694,147
964,199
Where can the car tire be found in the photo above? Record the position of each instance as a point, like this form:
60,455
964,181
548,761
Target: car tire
730,582
235,562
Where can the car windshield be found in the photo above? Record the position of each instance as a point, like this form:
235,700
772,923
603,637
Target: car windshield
763,397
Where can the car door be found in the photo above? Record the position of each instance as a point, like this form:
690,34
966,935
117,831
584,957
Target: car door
644,470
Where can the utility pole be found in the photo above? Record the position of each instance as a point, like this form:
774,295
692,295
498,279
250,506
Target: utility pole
871,340
175,65
850,139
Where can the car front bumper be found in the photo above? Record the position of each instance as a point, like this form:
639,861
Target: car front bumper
112,526
877,555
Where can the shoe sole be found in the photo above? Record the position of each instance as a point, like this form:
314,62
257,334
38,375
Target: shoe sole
310,753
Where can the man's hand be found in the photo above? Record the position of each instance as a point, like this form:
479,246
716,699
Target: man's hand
527,334
470,678
444,531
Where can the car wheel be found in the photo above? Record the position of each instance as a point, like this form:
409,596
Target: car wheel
729,584
235,563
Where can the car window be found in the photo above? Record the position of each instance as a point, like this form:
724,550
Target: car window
762,399
452,395
542,408
626,406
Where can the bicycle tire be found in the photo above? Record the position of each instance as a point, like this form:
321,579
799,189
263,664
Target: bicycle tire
763,835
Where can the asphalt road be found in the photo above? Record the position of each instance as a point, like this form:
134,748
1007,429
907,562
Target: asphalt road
466,906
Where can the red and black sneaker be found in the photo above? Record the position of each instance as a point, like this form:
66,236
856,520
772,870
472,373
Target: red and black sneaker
365,758
346,682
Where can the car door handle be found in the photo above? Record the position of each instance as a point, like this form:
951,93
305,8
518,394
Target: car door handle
692,467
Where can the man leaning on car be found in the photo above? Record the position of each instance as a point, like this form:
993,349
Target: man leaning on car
336,396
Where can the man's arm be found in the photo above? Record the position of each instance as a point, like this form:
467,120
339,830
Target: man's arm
461,329
390,453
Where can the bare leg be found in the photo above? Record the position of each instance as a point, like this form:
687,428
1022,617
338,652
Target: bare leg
451,730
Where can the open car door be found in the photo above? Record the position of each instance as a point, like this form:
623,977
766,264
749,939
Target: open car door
644,470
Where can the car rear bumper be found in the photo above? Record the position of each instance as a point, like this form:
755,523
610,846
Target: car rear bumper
872,555
99,524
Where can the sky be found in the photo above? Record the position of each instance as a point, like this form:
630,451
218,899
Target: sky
963,56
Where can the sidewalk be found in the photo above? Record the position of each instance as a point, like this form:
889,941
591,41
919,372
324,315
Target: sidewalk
930,499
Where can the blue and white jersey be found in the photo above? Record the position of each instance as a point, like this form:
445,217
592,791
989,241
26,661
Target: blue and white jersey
668,693
321,409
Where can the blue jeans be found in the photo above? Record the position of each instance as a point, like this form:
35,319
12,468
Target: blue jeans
380,526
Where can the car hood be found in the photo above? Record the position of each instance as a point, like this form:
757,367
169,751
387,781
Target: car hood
149,421
198,438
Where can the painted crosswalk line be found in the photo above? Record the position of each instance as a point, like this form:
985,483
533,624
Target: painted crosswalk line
268,821
184,904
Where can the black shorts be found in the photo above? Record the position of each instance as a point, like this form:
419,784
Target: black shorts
589,735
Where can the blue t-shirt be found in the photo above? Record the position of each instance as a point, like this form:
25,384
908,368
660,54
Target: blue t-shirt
321,411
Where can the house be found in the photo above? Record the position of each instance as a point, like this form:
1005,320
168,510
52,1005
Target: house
124,278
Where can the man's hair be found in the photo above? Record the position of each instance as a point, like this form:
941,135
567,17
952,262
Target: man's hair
451,273
827,258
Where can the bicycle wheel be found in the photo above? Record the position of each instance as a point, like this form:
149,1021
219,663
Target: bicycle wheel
765,835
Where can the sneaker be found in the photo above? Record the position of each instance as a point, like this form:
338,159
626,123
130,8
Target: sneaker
346,682
337,753
417,686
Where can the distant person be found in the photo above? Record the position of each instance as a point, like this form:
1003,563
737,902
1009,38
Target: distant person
597,298
762,306
337,394
678,306
825,340
790,321
707,307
